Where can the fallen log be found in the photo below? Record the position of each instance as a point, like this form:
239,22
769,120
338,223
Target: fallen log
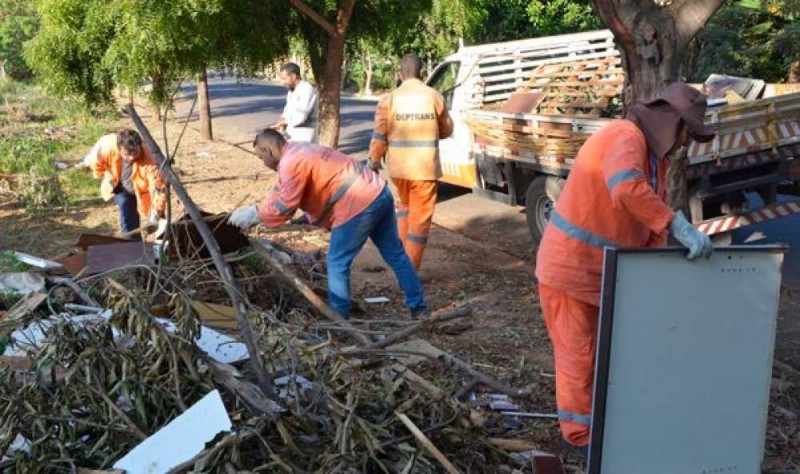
439,317
226,273
426,442
312,298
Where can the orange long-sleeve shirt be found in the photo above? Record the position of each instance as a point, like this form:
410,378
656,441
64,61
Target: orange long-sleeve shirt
329,186
614,196
148,183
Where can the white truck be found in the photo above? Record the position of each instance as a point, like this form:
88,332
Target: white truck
520,151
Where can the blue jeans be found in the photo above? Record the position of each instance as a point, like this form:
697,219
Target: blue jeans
378,223
128,212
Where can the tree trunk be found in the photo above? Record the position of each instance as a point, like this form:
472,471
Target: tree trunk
654,41
205,107
794,71
326,52
368,72
329,93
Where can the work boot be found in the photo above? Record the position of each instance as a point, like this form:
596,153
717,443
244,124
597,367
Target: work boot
420,313
580,451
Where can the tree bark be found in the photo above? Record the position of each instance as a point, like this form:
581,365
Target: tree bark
205,107
794,71
653,40
368,73
327,55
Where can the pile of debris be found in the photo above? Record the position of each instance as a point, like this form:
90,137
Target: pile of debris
140,368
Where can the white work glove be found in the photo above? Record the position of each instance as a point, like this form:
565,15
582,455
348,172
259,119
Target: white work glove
244,217
698,243
152,219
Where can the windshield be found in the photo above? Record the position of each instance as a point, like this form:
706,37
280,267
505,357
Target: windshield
444,80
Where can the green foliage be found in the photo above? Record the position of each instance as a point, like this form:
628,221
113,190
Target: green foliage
18,24
555,17
87,47
750,38
9,263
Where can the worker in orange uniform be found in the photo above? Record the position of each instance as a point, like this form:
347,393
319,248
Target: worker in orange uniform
614,197
408,125
130,176
341,195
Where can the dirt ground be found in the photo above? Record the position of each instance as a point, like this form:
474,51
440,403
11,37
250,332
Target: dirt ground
505,338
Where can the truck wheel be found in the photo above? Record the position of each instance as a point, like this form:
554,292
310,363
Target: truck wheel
538,207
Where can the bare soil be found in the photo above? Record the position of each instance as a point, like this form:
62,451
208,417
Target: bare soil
506,338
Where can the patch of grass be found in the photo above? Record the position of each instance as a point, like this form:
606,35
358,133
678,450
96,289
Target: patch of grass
8,299
21,153
36,131
79,184
9,262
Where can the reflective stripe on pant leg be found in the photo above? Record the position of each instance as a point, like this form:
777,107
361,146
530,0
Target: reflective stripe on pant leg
572,325
401,207
422,201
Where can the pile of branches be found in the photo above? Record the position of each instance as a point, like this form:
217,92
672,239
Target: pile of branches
97,390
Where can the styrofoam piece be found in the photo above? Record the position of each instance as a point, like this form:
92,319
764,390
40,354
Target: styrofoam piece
180,439
218,346
34,334
377,300
38,262
22,282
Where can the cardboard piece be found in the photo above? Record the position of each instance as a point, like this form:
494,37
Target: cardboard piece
103,258
87,240
180,440
74,262
188,244
415,345
217,315
522,102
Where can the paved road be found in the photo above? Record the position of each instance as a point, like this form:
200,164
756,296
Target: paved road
241,108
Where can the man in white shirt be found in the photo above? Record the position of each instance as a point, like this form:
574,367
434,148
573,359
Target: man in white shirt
299,119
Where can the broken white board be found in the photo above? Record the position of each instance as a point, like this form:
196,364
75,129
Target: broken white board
180,440
684,360
218,346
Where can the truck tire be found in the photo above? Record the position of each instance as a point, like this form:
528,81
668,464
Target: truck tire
538,207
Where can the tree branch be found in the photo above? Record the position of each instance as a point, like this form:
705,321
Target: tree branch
316,17
692,15
343,16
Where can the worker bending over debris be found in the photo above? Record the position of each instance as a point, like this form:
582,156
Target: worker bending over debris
408,125
130,175
342,195
614,197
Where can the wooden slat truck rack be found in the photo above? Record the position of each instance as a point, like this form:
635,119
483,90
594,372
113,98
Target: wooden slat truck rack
524,158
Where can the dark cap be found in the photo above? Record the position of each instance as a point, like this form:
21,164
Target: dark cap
690,104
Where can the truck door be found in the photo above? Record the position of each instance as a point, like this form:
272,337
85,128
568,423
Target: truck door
457,165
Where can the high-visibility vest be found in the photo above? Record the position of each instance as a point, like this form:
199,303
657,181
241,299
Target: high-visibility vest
409,122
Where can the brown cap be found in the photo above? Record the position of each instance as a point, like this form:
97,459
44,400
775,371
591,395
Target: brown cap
690,104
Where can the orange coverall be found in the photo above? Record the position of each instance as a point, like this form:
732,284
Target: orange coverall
408,124
148,183
614,197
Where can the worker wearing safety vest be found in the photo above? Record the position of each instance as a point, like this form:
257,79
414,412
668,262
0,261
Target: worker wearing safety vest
130,176
408,125
341,195
614,197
